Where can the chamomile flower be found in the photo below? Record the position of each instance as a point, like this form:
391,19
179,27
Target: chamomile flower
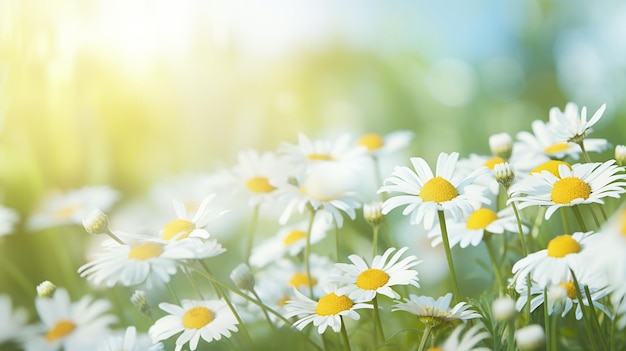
362,282
568,125
582,184
12,320
472,229
291,240
377,144
68,326
72,206
130,340
467,342
8,219
424,193
187,225
326,312
307,152
553,264
436,312
206,319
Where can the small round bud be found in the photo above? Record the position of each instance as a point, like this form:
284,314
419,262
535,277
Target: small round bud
96,222
504,174
138,299
530,338
373,212
620,154
501,145
46,289
243,277
503,308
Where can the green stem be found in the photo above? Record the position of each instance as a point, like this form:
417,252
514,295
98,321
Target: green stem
494,262
529,285
307,252
192,282
564,220
584,151
579,218
446,246
511,339
173,293
344,334
251,231
14,271
546,320
375,228
520,230
582,309
425,336
379,324
114,237
267,316
595,217
594,316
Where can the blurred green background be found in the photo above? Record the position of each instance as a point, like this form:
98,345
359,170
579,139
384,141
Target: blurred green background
126,92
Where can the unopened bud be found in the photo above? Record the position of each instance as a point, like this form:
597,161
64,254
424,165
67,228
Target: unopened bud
138,299
620,154
243,277
530,338
503,308
46,289
501,145
96,222
373,212
504,174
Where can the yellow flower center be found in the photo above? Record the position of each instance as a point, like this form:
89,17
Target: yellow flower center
480,219
331,304
435,349
145,251
260,185
372,141
197,317
294,236
320,157
372,279
555,148
176,227
492,162
623,221
283,300
562,246
551,166
60,329
301,279
438,190
66,212
570,288
565,190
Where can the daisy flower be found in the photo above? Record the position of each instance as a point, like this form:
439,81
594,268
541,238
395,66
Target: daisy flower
471,230
310,152
326,312
8,219
378,145
130,341
568,125
552,265
69,326
424,193
187,225
467,342
436,312
291,240
72,206
12,320
582,184
206,319
361,282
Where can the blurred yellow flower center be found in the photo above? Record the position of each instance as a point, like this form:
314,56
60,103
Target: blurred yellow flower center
480,219
623,221
260,185
197,317
60,329
562,246
371,141
294,236
492,162
145,251
435,349
66,212
438,190
320,157
301,279
372,279
570,288
283,300
332,304
177,227
551,166
568,189
558,147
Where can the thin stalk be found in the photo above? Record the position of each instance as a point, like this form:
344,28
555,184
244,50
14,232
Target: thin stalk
594,316
425,337
267,316
494,262
344,334
582,309
192,282
251,231
564,220
546,320
307,252
114,237
379,324
375,228
579,218
520,229
595,217
446,245
510,345
14,272
173,293
553,338
528,284
584,151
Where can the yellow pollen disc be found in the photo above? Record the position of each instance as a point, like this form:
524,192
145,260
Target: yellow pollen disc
145,251
623,221
567,189
176,227
320,157
371,141
551,166
570,288
301,279
494,161
332,304
438,190
197,317
294,236
283,300
60,329
260,185
562,246
372,279
558,147
480,219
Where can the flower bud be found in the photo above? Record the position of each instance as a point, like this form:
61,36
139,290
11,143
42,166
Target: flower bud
96,222
501,145
243,277
620,154
504,174
46,289
503,308
138,299
530,338
373,212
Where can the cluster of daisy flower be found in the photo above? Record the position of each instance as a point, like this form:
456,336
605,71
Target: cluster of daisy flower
292,247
